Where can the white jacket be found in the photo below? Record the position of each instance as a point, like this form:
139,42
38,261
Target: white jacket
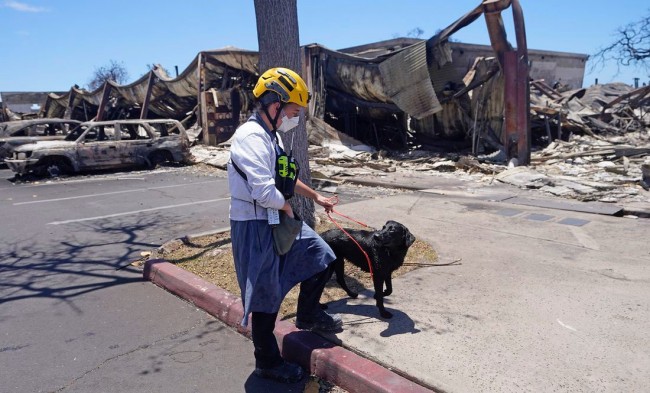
253,150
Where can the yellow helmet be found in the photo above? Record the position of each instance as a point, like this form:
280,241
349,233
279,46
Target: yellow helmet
288,86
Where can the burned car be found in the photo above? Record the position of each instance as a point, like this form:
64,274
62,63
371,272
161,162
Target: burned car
105,145
16,133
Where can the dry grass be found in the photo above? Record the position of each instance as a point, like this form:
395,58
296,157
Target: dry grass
210,257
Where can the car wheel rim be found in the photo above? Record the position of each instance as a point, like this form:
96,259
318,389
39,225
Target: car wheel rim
53,170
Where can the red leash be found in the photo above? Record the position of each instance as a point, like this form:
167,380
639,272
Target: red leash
350,236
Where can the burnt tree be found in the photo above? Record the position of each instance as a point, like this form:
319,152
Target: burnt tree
113,71
277,36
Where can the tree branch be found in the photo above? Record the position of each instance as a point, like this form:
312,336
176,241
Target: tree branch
631,47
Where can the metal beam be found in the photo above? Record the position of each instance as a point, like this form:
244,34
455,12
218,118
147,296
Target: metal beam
104,101
495,5
305,60
523,86
514,63
496,30
200,69
147,96
68,111
510,138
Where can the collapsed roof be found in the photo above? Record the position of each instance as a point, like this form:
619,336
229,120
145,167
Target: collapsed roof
169,97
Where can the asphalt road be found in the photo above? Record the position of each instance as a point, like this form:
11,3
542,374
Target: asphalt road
76,317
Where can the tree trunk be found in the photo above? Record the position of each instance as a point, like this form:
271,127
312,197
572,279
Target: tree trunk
279,46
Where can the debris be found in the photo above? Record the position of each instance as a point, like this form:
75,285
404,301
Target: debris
322,184
523,177
211,155
444,166
169,247
645,176
322,134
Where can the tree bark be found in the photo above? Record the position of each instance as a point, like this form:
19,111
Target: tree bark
279,46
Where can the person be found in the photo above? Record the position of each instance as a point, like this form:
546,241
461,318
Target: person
264,276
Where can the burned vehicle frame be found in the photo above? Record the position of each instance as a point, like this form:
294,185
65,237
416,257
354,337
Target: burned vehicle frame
105,145
20,132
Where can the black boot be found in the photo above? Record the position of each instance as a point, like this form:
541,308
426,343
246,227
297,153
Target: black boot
310,315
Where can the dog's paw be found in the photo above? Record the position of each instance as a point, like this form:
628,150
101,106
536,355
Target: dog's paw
387,292
385,314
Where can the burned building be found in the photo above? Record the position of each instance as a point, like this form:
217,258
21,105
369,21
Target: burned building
391,94
350,92
348,89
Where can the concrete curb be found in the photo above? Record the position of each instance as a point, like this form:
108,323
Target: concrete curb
321,357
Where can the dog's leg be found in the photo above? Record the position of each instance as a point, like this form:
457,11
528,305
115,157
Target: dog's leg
339,268
379,297
389,286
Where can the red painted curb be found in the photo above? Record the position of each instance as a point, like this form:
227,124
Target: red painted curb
323,358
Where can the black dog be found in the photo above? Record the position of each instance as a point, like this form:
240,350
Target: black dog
386,249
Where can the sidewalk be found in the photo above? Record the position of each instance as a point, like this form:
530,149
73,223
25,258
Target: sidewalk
545,299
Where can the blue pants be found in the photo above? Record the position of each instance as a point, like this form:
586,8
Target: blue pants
267,352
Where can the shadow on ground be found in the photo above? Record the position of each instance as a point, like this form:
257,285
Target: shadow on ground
74,259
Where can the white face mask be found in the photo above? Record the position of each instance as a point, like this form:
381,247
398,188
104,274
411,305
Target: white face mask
288,123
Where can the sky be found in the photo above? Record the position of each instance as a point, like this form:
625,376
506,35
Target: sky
50,45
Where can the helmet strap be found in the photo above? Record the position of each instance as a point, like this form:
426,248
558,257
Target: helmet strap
274,120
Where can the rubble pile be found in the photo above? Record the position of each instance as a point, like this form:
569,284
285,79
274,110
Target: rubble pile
611,109
597,148
599,140
586,168
589,168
